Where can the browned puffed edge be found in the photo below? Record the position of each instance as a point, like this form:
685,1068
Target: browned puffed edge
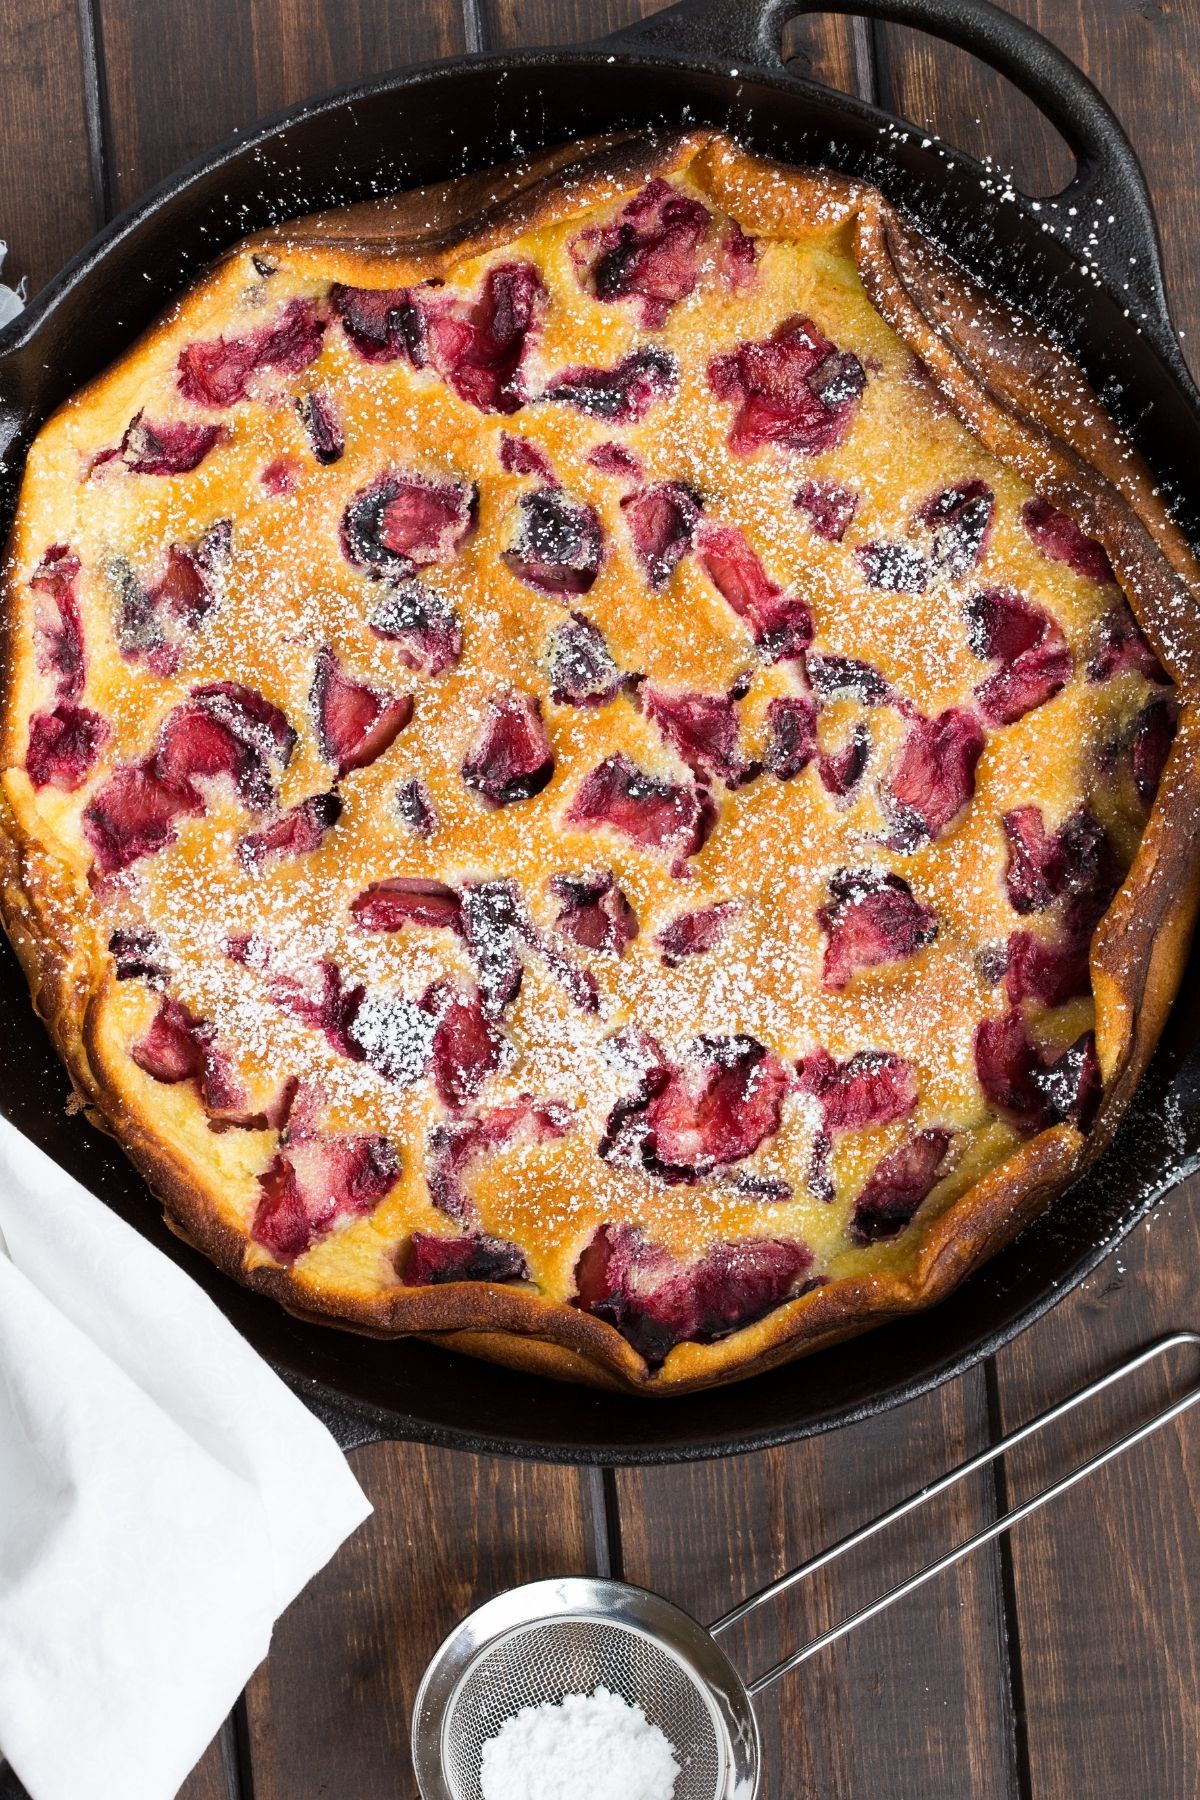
1025,400
1031,407
472,214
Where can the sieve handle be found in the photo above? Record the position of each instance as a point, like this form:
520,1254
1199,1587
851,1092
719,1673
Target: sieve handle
1177,1340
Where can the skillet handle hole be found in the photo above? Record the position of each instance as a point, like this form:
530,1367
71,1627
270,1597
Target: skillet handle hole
942,90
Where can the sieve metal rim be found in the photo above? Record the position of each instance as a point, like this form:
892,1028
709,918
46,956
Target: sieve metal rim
606,1602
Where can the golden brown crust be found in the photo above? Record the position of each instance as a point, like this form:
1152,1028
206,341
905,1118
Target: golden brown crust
1025,401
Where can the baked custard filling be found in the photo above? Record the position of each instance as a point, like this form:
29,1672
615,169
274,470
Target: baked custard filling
572,770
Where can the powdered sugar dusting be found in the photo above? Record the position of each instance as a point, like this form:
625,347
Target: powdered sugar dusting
430,567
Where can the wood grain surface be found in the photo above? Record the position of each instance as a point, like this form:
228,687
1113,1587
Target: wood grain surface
216,1775
1105,1586
50,183
183,74
869,1715
1063,1663
328,1713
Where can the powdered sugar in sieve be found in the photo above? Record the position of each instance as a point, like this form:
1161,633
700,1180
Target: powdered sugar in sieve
582,1747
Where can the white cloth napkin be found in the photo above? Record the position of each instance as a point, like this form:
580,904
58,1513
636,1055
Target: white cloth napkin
163,1496
12,300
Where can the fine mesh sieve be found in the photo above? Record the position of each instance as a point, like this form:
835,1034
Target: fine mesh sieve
577,1655
537,1643
547,1639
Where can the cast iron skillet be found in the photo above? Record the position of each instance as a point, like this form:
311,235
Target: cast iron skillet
711,62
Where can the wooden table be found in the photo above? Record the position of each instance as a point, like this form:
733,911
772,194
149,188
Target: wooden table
1062,1663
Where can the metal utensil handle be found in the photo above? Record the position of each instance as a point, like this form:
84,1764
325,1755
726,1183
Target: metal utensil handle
1108,179
1176,1340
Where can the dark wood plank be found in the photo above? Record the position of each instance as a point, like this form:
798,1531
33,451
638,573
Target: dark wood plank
48,205
179,81
835,48
1107,1582
329,1711
914,1706
214,1777
831,47
1146,59
512,22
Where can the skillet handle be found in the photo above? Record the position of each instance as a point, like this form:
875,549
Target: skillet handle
1108,179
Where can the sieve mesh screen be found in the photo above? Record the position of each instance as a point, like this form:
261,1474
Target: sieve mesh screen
545,1661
